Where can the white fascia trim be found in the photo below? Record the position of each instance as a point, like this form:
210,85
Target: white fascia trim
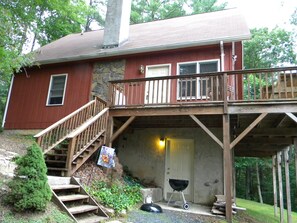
7,101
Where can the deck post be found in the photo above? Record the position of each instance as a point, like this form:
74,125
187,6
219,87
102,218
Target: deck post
280,186
70,153
227,167
274,184
288,191
225,92
109,131
295,147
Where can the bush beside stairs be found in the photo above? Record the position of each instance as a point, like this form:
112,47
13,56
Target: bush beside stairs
72,198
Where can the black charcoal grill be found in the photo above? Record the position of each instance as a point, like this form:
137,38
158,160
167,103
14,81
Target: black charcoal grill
178,186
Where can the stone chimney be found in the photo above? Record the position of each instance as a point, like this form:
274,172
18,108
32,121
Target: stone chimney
117,22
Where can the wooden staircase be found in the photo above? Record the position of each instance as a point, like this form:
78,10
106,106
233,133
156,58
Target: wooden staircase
67,145
56,159
71,197
70,142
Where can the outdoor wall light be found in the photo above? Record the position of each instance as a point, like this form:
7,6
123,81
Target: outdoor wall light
141,69
162,142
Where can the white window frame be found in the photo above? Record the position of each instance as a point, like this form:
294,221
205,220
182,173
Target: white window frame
197,93
50,88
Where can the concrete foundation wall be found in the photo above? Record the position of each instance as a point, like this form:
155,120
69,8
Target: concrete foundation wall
140,151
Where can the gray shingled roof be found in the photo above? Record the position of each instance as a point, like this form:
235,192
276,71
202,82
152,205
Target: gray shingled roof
188,31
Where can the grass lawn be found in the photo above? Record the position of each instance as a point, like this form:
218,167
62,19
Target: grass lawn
261,212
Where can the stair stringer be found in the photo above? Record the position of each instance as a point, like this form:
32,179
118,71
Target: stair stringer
91,200
72,181
94,148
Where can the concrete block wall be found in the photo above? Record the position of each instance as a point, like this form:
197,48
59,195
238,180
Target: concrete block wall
140,152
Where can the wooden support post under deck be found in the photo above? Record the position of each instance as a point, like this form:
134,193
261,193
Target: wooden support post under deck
295,146
109,131
227,167
274,184
280,186
288,191
70,154
207,130
122,128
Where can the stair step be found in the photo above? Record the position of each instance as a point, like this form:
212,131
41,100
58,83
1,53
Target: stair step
55,161
91,219
82,209
61,148
64,187
73,197
57,168
56,154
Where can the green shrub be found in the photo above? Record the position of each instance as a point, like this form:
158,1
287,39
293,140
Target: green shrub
29,187
117,196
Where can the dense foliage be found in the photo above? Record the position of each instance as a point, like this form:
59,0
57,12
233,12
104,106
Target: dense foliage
29,188
117,196
29,23
146,11
246,181
269,48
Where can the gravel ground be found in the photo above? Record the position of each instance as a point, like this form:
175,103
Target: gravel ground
138,216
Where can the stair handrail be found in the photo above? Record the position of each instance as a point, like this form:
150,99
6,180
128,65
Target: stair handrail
57,132
85,136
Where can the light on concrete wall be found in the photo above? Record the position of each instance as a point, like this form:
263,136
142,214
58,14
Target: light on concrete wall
141,69
162,142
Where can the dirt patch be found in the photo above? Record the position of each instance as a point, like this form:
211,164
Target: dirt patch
15,143
90,172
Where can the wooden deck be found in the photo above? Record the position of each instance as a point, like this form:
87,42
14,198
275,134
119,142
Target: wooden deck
261,110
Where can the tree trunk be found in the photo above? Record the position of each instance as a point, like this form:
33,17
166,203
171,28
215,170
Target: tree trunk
274,163
247,182
258,184
295,148
288,189
280,186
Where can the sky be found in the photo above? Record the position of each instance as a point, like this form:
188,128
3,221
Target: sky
265,13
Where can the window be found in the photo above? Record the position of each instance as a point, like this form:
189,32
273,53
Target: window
187,86
57,89
190,88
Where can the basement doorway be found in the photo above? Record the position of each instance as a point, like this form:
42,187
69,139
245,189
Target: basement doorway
179,164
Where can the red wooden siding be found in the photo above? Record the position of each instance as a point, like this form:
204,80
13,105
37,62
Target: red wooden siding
27,108
174,57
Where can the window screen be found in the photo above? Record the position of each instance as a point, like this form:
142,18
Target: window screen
57,88
206,67
187,87
195,87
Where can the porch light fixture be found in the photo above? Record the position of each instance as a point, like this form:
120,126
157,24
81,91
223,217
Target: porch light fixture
162,142
141,69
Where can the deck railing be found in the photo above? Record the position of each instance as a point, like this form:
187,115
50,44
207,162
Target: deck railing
56,133
241,85
85,136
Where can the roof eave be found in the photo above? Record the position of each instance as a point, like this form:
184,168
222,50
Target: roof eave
113,53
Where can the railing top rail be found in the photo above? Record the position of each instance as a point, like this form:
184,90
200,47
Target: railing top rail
63,120
87,124
235,72
101,100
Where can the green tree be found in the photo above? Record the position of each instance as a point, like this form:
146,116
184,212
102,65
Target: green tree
29,187
202,6
294,18
268,49
43,21
146,11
